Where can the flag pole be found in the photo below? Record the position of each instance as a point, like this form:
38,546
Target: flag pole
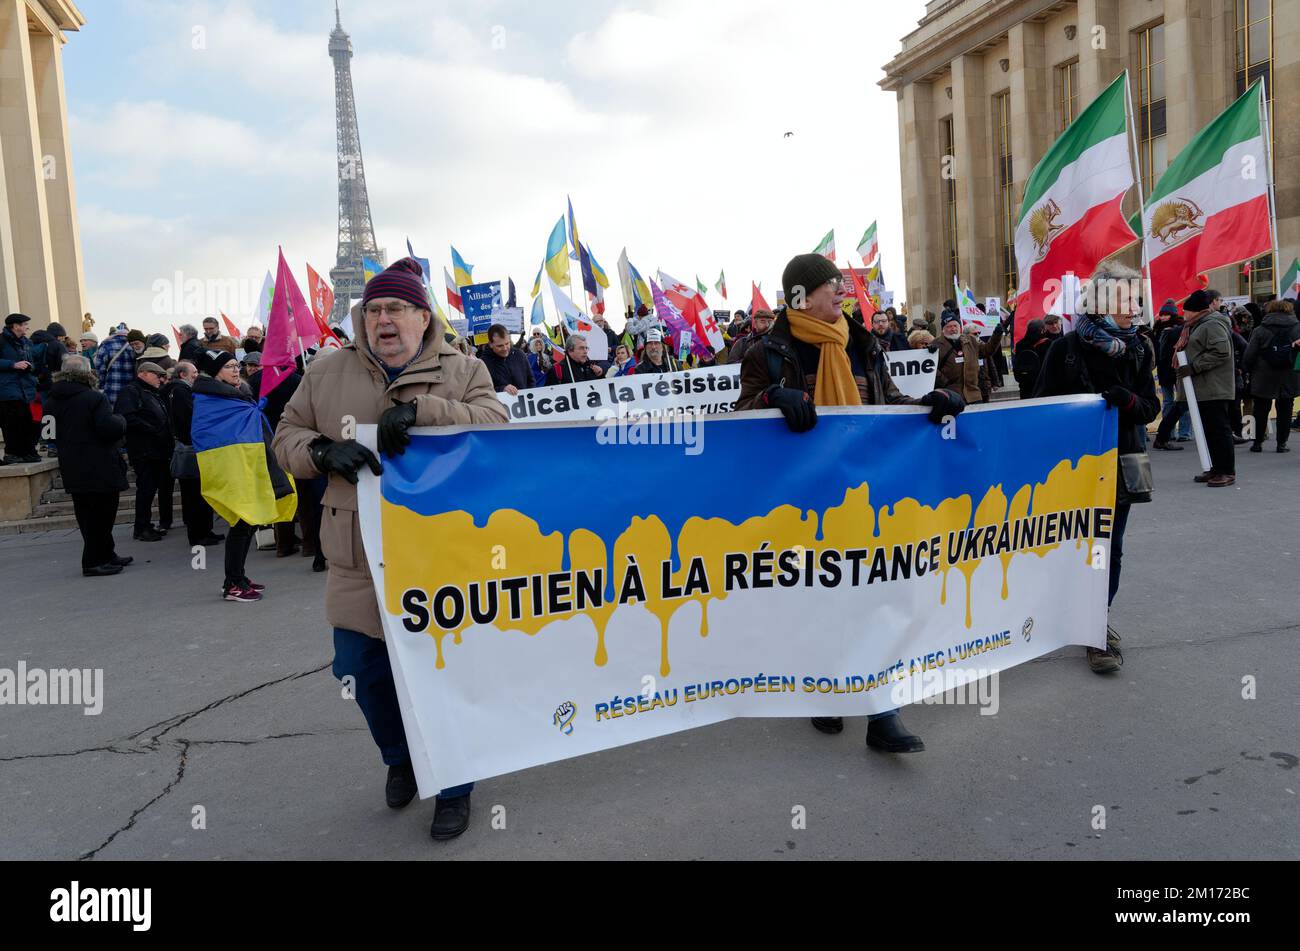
1272,198
1147,317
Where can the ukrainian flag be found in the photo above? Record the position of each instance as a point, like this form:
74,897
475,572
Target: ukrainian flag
597,271
236,477
464,272
557,255
371,267
640,290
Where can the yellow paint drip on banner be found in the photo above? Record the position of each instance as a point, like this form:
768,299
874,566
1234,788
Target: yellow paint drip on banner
429,552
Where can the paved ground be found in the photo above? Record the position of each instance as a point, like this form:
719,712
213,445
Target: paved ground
232,708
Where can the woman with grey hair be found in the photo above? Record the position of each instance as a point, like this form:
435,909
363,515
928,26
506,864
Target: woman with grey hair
1106,355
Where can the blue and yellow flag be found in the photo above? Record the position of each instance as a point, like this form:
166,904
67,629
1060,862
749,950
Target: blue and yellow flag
236,479
464,272
371,267
557,258
537,284
573,233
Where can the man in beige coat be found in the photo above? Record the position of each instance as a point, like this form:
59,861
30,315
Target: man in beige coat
399,372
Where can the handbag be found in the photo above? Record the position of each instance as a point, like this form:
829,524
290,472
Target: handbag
1135,484
264,539
185,462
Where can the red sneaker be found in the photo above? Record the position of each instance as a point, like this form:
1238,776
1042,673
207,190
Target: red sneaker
242,595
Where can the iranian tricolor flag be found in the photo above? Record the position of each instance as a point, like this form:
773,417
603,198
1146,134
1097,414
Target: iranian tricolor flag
827,247
1070,219
869,247
1210,208
1290,285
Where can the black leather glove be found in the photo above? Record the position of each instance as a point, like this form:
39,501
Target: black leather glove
943,404
1118,397
344,458
393,426
799,411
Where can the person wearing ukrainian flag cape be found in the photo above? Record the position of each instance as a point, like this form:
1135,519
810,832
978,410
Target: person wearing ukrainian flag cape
238,475
398,372
815,356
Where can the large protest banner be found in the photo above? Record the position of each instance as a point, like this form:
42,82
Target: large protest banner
706,391
847,572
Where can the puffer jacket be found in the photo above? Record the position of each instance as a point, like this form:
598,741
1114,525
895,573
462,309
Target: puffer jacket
17,385
448,388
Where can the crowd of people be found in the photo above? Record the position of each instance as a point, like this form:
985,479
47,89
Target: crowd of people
126,403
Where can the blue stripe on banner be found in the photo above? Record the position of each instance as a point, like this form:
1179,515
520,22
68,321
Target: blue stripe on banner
462,472
220,422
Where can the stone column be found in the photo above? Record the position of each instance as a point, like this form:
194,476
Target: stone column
1031,112
22,157
922,196
1103,48
973,138
1286,130
60,188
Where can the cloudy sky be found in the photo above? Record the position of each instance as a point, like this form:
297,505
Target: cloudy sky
204,136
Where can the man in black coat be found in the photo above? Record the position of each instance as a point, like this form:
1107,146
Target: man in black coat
196,513
149,447
508,365
90,462
1106,355
576,367
192,348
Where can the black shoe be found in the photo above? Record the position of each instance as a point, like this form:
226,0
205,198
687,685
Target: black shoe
210,540
1203,478
149,535
103,571
1166,446
828,724
450,818
30,458
401,788
890,736
1258,447
121,562
1239,441
319,564
1284,448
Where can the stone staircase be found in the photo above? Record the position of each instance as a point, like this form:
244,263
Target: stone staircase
54,511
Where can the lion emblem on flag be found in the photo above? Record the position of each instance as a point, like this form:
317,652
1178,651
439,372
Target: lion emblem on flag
1043,227
1176,220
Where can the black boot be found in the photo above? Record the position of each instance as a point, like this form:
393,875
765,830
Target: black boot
450,818
829,724
401,788
890,736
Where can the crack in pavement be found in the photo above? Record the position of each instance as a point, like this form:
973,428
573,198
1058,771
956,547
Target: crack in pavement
179,719
130,822
92,749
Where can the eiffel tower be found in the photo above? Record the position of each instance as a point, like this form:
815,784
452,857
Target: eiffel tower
356,230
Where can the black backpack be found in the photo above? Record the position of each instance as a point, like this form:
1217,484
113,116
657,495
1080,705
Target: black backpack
1279,354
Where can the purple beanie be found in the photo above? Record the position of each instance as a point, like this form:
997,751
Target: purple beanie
403,280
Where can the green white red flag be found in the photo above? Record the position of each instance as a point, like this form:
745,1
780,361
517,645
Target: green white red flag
1210,208
1290,285
869,247
1070,219
827,247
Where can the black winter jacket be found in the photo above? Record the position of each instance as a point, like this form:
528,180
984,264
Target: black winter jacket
148,437
89,434
1073,366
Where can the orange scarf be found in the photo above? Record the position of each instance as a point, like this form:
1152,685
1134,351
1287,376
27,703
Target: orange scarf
835,384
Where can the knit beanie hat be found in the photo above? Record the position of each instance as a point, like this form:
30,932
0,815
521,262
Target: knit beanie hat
807,271
135,336
403,280
216,359
56,330
1197,302
1170,309
949,318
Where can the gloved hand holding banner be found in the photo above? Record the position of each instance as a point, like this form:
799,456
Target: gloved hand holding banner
840,572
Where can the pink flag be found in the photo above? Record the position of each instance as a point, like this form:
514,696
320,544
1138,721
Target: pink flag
282,343
671,317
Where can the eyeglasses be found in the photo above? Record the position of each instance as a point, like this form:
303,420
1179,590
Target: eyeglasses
392,310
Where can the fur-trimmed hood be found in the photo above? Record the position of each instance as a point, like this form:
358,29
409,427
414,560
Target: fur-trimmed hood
87,377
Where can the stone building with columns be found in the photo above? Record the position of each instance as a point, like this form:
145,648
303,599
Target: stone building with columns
985,86
41,271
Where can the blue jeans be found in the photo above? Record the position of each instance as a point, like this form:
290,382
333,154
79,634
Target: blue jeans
1184,430
365,659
